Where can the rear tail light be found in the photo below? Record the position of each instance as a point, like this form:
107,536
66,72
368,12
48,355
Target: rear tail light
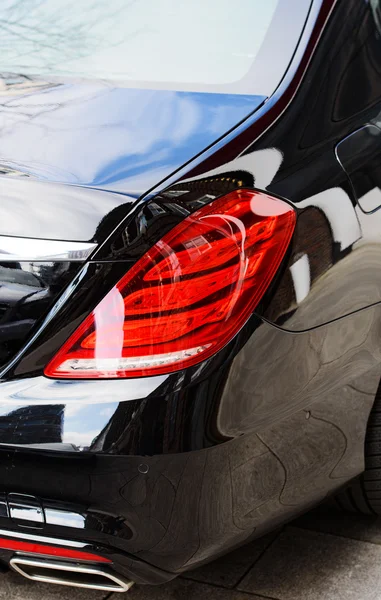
187,296
45,550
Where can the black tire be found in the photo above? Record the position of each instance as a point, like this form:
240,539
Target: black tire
364,494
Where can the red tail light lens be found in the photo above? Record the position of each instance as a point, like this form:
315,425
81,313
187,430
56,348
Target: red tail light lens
36,548
187,296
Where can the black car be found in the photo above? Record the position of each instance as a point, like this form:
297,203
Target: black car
190,282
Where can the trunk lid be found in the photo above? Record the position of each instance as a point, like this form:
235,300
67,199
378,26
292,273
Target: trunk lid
58,138
74,157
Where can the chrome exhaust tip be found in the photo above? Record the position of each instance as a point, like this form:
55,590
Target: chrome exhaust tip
66,573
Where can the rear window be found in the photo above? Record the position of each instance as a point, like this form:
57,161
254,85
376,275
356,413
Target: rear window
174,44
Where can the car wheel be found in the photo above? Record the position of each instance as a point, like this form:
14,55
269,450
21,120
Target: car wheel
364,494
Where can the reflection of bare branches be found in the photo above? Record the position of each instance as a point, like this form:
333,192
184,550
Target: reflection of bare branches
42,35
14,96
35,102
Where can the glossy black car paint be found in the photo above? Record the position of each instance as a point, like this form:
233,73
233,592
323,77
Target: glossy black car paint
28,290
167,472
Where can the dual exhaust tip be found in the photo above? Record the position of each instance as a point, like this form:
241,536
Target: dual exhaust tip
66,573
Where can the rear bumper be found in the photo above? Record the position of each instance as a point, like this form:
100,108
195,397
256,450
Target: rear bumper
167,473
118,573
